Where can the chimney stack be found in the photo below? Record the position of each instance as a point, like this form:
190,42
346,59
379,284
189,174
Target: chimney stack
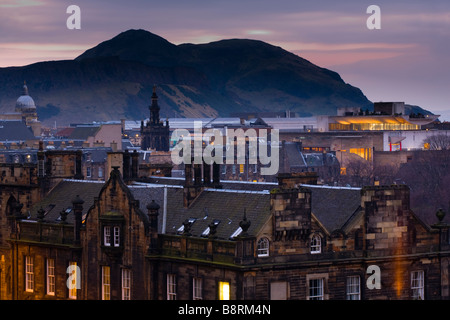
77,205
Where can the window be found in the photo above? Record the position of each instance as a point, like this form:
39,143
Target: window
100,172
51,277
126,284
107,236
106,283
116,236
417,285
224,290
316,244
353,288
197,288
29,274
88,172
263,247
111,239
75,277
171,287
316,289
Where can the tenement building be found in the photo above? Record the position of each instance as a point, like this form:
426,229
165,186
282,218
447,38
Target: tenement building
202,238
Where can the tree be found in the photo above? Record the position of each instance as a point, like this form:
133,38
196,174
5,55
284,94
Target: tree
437,142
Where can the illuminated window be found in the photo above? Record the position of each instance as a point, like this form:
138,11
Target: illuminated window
106,283
74,277
343,171
224,290
51,277
241,168
29,274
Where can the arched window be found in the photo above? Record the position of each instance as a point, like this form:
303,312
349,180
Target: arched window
316,244
263,247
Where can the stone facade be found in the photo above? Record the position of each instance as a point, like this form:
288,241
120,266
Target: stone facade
155,134
206,240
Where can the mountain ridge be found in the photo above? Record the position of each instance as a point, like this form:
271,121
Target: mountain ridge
114,80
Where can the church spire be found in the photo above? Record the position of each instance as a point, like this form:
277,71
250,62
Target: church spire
154,108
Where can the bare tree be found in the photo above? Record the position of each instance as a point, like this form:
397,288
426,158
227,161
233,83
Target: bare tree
438,142
428,176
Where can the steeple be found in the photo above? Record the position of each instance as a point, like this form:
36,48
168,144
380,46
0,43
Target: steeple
154,109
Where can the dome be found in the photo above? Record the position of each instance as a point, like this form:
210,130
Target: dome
25,101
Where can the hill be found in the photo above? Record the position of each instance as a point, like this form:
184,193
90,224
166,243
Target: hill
114,80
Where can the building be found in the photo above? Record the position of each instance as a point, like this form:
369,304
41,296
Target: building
25,110
203,238
155,134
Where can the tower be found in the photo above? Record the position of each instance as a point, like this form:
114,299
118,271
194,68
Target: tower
155,134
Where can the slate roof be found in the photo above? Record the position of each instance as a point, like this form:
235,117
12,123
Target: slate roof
11,130
82,133
61,196
224,205
333,206
226,184
294,156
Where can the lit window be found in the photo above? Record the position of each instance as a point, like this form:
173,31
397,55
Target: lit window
29,274
353,288
106,283
171,287
197,286
51,277
74,278
224,290
417,285
263,247
316,244
126,284
316,289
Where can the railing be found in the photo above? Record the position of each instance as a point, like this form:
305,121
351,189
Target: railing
59,234
220,251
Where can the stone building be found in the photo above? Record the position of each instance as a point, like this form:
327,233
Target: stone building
155,134
202,238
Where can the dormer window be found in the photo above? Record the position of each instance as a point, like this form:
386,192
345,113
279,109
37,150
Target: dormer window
316,244
263,247
111,236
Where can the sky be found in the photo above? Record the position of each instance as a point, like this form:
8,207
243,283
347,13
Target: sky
407,59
